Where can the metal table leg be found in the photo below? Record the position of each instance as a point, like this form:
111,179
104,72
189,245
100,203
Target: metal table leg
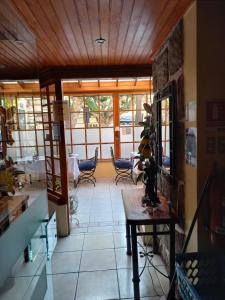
155,246
172,260
136,278
128,239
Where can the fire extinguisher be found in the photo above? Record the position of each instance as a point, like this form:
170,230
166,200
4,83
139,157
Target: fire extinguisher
216,210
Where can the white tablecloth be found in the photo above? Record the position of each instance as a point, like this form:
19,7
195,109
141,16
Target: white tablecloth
36,168
73,166
135,161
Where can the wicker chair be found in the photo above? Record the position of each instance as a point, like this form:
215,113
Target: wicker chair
87,169
123,167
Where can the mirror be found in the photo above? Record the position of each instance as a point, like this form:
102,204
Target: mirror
165,144
165,134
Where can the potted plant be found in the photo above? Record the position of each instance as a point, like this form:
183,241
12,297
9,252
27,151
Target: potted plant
147,162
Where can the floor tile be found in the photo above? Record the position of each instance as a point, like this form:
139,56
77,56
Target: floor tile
124,261
77,229
100,228
97,285
98,241
147,288
64,286
66,262
119,239
98,260
70,243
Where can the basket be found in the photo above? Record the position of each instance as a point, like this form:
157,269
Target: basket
201,276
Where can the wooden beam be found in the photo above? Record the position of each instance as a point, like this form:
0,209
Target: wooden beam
99,85
80,84
117,71
21,84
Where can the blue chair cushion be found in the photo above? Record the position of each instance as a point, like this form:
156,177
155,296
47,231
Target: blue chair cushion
123,164
87,165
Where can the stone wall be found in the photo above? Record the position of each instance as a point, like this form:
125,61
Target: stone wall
168,67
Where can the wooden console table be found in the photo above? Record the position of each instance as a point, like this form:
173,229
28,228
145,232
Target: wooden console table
135,216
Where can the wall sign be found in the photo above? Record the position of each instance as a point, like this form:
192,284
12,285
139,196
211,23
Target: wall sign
191,146
215,112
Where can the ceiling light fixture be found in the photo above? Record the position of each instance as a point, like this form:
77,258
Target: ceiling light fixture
100,40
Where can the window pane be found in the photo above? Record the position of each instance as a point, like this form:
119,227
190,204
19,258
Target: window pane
92,119
78,136
91,150
93,136
76,103
106,119
28,151
27,138
41,151
139,100
139,117
37,105
106,150
15,135
136,145
125,102
126,150
24,105
40,139
80,150
38,121
67,137
126,118
13,152
137,133
107,135
126,134
106,102
91,102
77,120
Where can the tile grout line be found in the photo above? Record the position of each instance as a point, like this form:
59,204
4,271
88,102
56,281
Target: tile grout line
79,269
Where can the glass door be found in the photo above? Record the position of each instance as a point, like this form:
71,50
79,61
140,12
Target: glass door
131,113
54,143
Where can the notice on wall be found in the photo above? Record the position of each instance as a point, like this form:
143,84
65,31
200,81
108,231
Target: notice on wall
191,146
190,111
215,113
215,127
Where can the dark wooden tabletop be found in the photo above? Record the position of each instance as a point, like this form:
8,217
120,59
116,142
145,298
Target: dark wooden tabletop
137,214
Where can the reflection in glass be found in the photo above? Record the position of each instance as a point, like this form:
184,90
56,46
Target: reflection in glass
165,133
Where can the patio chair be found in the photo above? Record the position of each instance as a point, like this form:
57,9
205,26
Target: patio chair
87,169
123,167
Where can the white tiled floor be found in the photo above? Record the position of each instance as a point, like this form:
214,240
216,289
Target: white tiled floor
91,264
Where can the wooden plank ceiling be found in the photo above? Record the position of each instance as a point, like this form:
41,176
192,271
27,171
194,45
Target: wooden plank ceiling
39,34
